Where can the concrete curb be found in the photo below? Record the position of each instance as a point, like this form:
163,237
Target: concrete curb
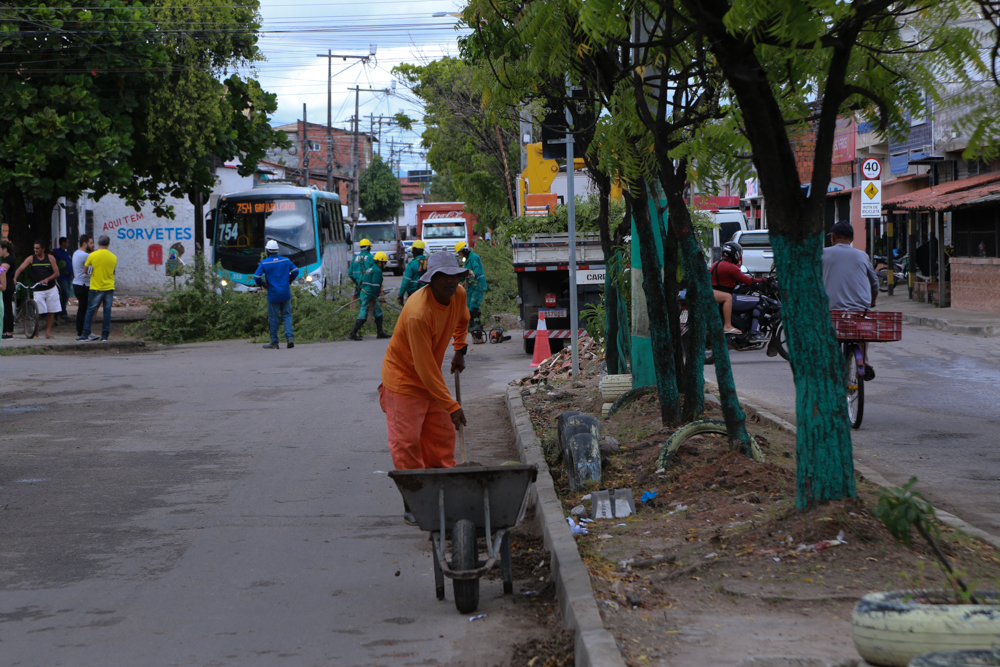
866,473
983,331
594,646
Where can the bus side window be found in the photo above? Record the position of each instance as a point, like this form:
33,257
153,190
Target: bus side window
338,222
325,236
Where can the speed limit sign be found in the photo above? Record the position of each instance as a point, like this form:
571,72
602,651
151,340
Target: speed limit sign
871,169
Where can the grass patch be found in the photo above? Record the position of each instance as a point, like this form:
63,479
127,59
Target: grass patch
19,351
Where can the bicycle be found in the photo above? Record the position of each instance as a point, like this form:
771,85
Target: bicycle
26,308
855,329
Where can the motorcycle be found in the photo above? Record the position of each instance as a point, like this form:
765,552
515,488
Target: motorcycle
901,264
771,332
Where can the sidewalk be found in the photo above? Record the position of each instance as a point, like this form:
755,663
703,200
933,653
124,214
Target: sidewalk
65,333
950,320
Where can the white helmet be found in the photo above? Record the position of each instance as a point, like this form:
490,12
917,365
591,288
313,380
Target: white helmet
271,246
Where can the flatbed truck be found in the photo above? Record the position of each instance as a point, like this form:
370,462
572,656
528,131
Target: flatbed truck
541,264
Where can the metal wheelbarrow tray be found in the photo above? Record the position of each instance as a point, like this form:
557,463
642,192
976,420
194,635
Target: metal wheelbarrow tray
462,504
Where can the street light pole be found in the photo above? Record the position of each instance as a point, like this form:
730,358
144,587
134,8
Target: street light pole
329,55
355,151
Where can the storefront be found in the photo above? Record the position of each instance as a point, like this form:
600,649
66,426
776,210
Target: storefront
962,223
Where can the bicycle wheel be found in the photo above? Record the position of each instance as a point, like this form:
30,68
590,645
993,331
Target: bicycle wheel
30,318
855,386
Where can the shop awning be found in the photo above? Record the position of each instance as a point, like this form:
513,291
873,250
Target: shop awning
949,196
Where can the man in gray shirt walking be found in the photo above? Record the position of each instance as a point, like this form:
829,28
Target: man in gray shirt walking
849,278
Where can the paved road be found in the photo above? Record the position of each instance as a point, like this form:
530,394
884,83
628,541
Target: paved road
933,411
219,504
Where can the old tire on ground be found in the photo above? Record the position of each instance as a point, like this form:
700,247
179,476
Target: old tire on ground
614,386
699,427
970,658
463,557
30,318
586,460
891,628
628,397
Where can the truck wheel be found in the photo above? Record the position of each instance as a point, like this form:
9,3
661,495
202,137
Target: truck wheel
529,345
398,271
463,557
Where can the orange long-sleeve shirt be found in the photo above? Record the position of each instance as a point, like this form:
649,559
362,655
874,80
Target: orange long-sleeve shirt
412,363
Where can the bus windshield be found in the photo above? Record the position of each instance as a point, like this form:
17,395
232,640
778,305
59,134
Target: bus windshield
245,226
445,229
382,233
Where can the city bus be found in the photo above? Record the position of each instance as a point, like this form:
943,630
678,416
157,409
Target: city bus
307,224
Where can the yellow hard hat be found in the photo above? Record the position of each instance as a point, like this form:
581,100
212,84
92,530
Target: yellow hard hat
460,245
381,257
364,243
419,244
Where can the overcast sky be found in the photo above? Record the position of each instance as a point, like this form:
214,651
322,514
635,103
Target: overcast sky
294,32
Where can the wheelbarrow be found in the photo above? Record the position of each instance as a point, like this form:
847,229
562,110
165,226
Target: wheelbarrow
461,505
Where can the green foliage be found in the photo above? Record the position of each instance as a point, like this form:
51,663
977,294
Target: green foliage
587,209
901,508
202,309
595,321
500,276
380,192
462,140
134,105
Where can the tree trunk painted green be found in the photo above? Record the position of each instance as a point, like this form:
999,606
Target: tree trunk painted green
824,456
611,352
697,327
670,289
659,325
611,357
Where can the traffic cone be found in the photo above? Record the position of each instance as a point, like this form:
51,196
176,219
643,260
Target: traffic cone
542,349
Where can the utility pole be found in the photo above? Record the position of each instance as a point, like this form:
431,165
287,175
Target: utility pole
355,155
305,143
329,105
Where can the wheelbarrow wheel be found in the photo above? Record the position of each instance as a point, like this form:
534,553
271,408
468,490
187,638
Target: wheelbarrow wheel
463,557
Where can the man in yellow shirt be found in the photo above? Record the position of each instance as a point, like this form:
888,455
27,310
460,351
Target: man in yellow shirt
101,267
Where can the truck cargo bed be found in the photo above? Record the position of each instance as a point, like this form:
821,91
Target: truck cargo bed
554,249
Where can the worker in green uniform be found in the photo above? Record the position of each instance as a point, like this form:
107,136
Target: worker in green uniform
359,265
371,290
416,268
475,288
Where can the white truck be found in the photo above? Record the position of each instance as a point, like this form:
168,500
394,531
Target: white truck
385,238
541,264
758,257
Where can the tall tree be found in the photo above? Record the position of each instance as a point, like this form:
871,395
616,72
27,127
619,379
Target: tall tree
795,66
476,150
381,194
123,99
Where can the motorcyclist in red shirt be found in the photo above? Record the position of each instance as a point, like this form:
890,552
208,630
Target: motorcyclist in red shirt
727,278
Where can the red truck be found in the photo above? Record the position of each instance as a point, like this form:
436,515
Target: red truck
443,224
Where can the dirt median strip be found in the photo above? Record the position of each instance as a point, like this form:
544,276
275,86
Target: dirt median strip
594,645
867,473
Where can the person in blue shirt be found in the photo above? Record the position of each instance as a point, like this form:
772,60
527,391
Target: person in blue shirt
65,281
275,274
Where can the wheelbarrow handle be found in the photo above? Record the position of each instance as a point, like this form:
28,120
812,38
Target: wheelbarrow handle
461,427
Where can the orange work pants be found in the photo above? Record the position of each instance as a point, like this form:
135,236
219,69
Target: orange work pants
421,433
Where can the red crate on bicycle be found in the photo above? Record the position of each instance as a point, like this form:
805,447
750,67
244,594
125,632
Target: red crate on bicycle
871,325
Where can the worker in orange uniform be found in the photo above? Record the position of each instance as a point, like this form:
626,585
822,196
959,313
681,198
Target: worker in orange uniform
421,415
